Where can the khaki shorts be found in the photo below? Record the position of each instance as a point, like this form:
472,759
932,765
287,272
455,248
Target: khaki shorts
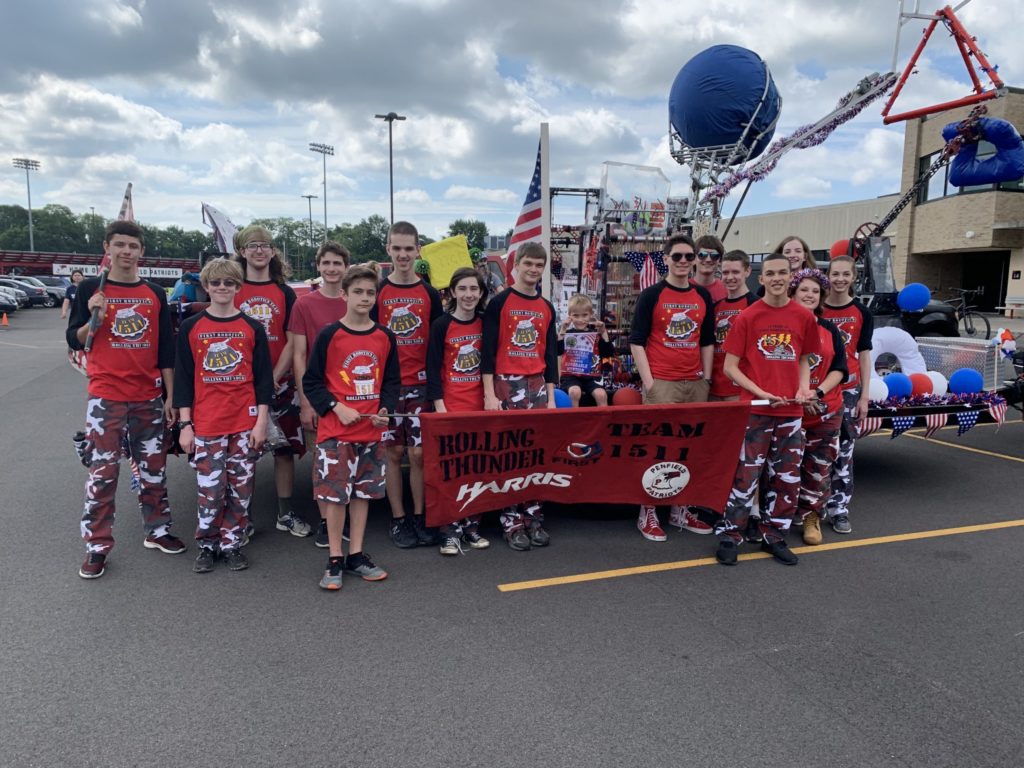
723,398
668,392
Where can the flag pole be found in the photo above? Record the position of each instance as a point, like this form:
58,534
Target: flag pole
545,203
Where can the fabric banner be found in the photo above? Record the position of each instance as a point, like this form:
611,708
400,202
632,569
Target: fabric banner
670,454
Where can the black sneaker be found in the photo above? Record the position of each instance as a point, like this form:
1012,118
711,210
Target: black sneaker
403,534
360,564
780,551
538,536
518,540
426,537
727,552
236,560
841,524
320,539
95,565
204,561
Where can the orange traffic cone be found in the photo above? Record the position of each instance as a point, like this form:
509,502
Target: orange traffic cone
4,323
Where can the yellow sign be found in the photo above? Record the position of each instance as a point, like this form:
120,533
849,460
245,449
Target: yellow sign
444,257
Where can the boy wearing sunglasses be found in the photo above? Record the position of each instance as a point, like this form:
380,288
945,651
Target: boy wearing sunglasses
673,342
709,259
223,387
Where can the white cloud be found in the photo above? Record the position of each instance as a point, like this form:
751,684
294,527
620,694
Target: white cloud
460,192
116,15
803,188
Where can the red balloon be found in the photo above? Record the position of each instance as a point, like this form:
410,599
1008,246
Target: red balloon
627,396
839,248
921,384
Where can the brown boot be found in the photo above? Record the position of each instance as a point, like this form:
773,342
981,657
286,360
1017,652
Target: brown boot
812,529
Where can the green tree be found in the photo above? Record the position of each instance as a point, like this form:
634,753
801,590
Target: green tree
474,230
366,240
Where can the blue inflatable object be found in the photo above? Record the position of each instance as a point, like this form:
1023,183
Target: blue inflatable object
718,92
914,297
562,399
1007,164
966,381
899,384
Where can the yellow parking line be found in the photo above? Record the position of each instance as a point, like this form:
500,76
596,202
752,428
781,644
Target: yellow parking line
557,581
968,448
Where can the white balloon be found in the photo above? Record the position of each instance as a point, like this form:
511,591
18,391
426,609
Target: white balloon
939,384
878,390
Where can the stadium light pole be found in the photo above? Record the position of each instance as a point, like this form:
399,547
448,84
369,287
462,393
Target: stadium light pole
310,199
390,118
28,165
325,150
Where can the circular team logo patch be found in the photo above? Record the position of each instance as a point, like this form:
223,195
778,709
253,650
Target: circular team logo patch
664,480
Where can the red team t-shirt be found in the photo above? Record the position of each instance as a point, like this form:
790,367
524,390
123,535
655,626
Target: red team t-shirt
222,372
270,304
357,368
716,290
407,311
453,363
519,337
831,356
132,345
672,324
855,325
725,312
312,313
769,341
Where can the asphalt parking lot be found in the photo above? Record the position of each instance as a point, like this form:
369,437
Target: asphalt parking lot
899,646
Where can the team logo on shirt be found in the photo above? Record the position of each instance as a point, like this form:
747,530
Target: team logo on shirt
777,346
722,329
359,371
815,361
261,310
129,324
680,326
467,360
525,335
221,357
404,321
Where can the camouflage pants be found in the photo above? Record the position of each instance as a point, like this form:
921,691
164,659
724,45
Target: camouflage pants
224,473
775,443
106,422
521,393
821,444
842,470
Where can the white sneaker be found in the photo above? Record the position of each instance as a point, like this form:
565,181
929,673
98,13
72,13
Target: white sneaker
295,525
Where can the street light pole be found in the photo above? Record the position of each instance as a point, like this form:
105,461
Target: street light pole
310,199
390,118
28,165
325,150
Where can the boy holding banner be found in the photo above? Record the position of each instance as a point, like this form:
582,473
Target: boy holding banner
519,364
767,353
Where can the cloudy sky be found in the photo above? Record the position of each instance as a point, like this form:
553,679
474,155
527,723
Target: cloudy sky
216,101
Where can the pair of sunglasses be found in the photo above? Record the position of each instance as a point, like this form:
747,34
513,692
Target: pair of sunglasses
713,255
680,256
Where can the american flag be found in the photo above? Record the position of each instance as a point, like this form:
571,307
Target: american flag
998,412
934,422
901,424
870,424
644,264
966,420
528,226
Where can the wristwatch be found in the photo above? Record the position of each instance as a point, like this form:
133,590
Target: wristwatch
819,393
183,424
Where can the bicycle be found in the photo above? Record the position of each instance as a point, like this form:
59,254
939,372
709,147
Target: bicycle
972,324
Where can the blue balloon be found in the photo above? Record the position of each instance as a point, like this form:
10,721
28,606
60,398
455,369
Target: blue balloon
899,384
562,399
717,93
966,381
914,297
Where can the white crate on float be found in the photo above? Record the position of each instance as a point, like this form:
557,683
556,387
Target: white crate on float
949,354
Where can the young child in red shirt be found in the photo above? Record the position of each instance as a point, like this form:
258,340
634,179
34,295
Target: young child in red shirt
223,387
768,354
582,343
454,384
352,381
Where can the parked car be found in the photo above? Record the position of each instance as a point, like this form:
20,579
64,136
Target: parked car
8,301
55,281
19,295
56,294
37,295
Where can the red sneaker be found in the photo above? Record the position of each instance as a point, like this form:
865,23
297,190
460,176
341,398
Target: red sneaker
649,526
168,544
94,566
687,521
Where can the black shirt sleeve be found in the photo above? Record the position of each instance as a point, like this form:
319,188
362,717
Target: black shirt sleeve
707,327
165,342
262,364
605,348
314,383
489,337
436,308
643,314
867,327
435,357
185,366
80,313
551,349
391,384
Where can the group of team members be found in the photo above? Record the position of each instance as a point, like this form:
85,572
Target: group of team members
352,365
